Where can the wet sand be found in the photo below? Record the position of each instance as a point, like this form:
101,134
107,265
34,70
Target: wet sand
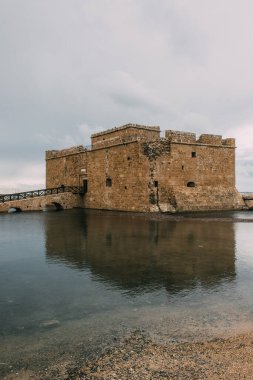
137,356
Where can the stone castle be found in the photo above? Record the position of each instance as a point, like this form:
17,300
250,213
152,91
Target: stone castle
131,168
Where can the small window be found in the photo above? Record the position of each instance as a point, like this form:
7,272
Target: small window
182,167
194,154
108,182
156,183
191,184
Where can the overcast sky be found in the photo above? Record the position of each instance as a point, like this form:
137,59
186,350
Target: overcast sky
69,68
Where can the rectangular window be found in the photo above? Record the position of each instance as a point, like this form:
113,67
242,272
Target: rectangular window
85,186
108,182
194,154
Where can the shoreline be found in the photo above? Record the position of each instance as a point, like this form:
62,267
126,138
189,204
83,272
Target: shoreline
138,357
193,216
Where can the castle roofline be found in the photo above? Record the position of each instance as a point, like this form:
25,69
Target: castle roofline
126,126
65,152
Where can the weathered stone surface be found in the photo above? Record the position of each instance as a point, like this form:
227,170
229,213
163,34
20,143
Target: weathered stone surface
124,134
210,139
180,137
64,200
66,166
249,201
130,168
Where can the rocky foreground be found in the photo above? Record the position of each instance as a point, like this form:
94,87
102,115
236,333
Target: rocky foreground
138,357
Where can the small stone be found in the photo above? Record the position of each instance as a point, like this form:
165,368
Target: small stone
50,323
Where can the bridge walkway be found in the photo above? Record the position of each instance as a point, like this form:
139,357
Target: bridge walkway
41,193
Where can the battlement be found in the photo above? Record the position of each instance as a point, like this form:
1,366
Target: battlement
205,139
123,135
216,140
50,154
228,142
210,139
180,137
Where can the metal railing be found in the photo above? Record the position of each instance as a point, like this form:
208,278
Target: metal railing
41,193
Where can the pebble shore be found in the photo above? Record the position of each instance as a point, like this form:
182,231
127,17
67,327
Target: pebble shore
138,357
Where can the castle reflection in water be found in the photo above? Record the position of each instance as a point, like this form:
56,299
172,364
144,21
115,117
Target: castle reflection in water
137,255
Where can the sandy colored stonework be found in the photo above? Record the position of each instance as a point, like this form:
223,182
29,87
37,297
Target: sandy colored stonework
138,357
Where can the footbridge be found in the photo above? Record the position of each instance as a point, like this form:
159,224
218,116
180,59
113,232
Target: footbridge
62,197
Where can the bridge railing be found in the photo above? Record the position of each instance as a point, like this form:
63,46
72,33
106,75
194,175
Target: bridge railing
41,193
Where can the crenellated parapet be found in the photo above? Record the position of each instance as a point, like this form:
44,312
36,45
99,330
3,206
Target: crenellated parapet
51,154
229,142
180,137
130,126
210,139
216,140
123,135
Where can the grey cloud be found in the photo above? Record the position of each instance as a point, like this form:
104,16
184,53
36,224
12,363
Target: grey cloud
132,100
127,91
68,69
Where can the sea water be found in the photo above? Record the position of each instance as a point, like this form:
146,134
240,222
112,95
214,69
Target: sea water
75,281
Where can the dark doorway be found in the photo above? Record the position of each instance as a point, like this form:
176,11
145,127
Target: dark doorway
85,186
108,182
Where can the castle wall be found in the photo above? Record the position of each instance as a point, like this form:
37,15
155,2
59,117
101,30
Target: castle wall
195,174
202,164
132,169
200,175
117,179
124,134
66,167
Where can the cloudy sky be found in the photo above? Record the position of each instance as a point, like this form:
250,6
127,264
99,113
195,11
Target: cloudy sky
69,68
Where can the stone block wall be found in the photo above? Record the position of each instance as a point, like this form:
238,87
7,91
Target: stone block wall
193,176
131,168
117,179
124,134
229,142
66,167
210,139
180,137
205,165
63,200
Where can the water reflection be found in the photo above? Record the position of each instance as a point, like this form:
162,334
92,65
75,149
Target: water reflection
139,255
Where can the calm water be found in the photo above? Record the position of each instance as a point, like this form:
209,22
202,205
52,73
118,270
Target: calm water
73,281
